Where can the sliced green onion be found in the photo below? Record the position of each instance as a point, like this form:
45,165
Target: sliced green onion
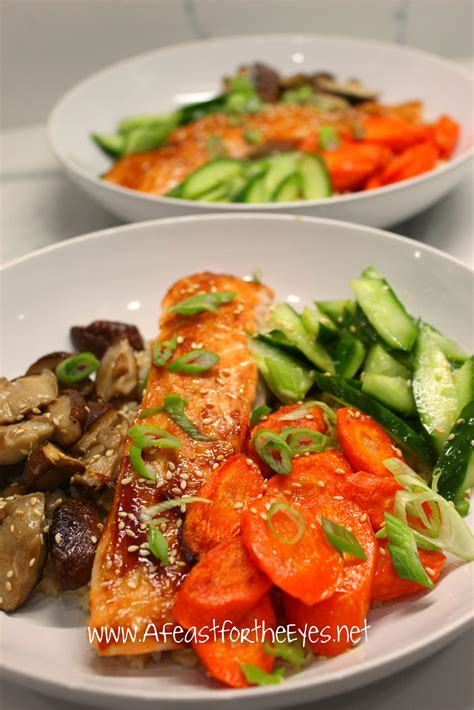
294,515
253,136
342,539
163,351
403,552
255,675
150,412
273,450
195,362
203,302
288,651
158,544
76,368
258,414
302,440
146,436
174,406
328,138
143,384
146,514
462,506
421,542
138,464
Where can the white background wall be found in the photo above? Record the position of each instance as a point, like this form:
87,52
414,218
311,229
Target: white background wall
48,45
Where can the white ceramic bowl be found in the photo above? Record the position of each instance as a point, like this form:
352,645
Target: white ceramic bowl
122,273
166,78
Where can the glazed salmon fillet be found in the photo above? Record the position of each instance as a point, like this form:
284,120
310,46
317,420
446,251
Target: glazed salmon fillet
129,587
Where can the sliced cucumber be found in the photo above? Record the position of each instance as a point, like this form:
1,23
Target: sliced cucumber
149,136
279,168
336,310
449,347
392,391
283,317
112,144
289,189
349,355
310,318
464,383
286,377
371,273
209,176
255,190
434,388
385,312
316,180
328,330
456,462
346,393
380,362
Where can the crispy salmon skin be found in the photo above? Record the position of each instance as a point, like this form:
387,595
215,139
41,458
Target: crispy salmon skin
129,586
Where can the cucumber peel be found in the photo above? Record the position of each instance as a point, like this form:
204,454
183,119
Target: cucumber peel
455,466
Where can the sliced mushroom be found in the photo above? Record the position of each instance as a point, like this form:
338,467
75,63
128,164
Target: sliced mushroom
17,440
94,411
69,415
352,90
26,394
266,81
272,148
50,362
22,548
100,449
117,376
48,467
99,335
72,540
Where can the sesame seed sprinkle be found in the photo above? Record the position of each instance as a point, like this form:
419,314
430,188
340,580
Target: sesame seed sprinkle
57,538
8,586
132,548
10,574
31,562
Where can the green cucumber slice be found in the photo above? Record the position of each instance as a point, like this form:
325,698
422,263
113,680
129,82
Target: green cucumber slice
209,176
289,189
255,190
456,462
336,310
449,347
112,144
279,167
464,383
434,389
315,177
385,312
349,355
283,317
346,393
380,362
392,391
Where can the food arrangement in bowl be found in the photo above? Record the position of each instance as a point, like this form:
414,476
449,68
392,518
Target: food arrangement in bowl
193,495
273,138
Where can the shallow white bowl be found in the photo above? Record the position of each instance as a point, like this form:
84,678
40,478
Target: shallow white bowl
122,273
166,78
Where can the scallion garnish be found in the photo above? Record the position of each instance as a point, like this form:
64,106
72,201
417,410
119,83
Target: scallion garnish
163,351
253,136
152,436
293,515
150,412
256,676
288,651
158,544
203,302
174,406
403,552
342,539
76,368
258,414
135,454
147,514
273,449
302,440
328,138
194,362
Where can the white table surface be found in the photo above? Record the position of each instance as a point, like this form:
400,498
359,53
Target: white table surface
39,207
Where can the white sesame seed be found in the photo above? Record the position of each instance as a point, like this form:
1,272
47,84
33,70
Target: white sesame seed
183,485
93,539
363,517
460,421
253,510
126,481
215,466
10,574
20,513
12,528
176,491
430,571
339,470
121,525
180,339
163,527
57,538
132,584
338,497
238,506
130,533
132,548
131,516
144,553
220,457
46,529
8,586
122,514
33,501
263,516
450,437
382,551
31,562
249,462
109,564
168,476
207,420
320,484
179,523
171,466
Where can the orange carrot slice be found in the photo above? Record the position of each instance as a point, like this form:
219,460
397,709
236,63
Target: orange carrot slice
291,549
446,135
341,618
374,494
230,488
390,131
353,163
411,162
322,472
387,585
364,443
224,585
224,657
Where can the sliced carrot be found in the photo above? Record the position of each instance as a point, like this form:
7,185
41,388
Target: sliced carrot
224,657
224,585
230,487
390,131
317,473
352,164
388,585
276,422
374,494
374,182
411,162
364,443
310,568
446,135
309,144
341,618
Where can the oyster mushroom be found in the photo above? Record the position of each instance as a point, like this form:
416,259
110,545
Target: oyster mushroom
17,440
117,376
100,334
69,415
100,449
352,90
26,394
22,549
48,467
72,539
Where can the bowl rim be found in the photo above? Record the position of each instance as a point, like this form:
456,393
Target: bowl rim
297,38
354,676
